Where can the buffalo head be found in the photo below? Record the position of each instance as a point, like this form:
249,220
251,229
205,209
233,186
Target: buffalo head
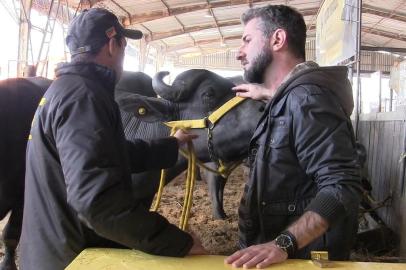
195,94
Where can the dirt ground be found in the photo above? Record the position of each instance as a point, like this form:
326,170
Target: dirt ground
217,236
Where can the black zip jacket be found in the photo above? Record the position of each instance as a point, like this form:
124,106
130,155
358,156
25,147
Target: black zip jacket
78,190
303,159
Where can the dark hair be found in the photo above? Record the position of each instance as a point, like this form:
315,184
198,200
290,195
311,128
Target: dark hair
281,17
90,56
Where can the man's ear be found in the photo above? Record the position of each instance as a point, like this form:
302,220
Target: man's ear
112,46
278,39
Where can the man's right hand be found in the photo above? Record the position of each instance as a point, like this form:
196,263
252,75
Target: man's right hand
197,248
257,256
253,91
184,136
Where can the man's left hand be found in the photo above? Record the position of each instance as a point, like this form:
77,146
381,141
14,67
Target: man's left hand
259,256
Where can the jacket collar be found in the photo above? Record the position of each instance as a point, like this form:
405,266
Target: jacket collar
333,78
93,71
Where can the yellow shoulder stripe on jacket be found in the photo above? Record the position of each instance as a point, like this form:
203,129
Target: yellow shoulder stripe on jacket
42,101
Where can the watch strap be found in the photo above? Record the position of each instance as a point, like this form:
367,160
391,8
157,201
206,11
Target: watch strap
291,250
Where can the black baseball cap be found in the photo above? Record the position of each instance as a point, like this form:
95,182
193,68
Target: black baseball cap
93,28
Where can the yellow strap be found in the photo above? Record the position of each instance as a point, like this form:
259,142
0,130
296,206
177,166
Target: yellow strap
190,182
197,123
42,101
220,112
162,182
213,118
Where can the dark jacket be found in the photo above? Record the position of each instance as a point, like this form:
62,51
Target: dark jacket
78,189
303,159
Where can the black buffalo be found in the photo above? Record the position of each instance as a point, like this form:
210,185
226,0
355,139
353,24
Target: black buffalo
18,100
194,94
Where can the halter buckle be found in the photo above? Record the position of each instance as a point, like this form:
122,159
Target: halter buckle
208,123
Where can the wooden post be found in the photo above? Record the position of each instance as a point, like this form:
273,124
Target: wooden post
24,36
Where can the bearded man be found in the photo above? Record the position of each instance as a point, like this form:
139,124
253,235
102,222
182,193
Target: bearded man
304,186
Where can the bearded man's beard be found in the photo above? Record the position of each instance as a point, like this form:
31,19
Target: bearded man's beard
255,74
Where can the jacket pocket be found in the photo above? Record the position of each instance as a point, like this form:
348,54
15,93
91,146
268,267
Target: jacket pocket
277,216
284,208
279,134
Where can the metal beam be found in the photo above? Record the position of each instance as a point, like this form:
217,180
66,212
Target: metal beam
379,32
383,33
237,37
139,18
201,42
125,11
383,13
384,49
185,30
24,36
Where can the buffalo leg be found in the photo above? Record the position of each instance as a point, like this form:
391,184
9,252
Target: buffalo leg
198,174
11,236
216,185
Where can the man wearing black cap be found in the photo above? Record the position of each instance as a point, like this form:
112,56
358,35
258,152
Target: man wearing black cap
78,190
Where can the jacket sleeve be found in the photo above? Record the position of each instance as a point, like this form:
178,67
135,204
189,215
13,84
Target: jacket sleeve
156,154
90,148
324,144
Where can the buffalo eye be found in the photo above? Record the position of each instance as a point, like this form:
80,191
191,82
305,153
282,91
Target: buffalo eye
209,94
208,99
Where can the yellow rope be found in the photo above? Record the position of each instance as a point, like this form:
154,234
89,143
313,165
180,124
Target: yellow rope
162,182
190,181
223,170
192,161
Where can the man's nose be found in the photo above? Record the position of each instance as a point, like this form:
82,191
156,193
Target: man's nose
240,54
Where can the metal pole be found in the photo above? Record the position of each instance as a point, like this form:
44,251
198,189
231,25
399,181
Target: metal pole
24,35
358,64
380,92
401,180
390,100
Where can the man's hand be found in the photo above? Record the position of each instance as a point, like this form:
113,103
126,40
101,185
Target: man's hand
259,256
184,136
197,248
253,91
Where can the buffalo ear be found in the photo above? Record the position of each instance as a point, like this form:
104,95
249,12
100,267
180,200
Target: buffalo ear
148,109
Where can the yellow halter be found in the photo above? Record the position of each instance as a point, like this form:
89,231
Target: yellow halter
223,170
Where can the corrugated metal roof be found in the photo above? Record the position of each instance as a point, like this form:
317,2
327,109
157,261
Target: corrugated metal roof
178,24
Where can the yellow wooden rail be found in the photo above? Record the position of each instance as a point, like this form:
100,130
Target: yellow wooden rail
124,259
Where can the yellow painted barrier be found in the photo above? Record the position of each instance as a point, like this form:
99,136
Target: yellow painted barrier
124,259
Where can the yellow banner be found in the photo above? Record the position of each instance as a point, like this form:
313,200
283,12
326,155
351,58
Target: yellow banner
336,31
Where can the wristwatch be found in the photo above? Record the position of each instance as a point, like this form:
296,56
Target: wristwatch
287,242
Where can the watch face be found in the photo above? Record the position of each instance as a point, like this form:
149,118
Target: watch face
283,241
